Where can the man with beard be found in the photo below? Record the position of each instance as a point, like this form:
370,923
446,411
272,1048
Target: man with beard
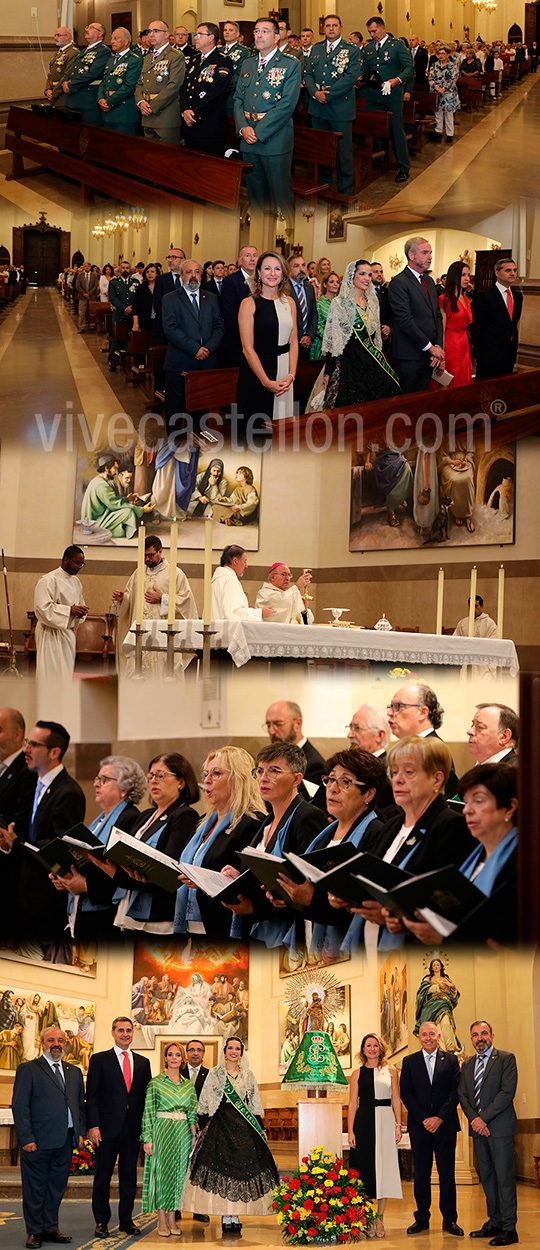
156,601
283,723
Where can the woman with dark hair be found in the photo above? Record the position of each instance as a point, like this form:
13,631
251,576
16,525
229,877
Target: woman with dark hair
209,485
268,332
232,1172
167,827
168,1132
329,289
106,274
143,302
208,272
374,1124
457,318
356,370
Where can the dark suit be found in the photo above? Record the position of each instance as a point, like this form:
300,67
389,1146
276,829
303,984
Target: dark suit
494,335
495,1154
199,1079
438,838
417,322
314,772
420,58
17,785
41,908
40,1112
213,288
381,291
311,316
234,290
163,286
423,1100
118,1115
187,329
204,91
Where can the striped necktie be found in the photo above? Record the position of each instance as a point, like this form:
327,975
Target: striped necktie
478,1078
303,305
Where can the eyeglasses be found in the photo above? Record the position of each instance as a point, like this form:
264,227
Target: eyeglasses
358,729
159,776
343,783
29,742
398,707
273,724
267,772
216,774
102,778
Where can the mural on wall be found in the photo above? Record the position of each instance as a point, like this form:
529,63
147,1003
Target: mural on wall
428,497
393,1003
297,959
65,956
314,1000
436,1000
156,482
206,993
23,1016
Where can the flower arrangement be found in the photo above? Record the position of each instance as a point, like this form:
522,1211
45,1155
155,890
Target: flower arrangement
322,1201
84,1160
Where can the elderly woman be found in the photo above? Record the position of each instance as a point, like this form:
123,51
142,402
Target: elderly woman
329,289
167,827
210,485
489,792
232,1172
442,79
424,834
471,67
356,369
118,786
168,1133
235,812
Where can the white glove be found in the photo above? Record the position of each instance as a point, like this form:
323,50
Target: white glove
386,88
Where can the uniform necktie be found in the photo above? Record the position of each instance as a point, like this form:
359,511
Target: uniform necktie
262,63
478,1078
126,1069
509,302
303,306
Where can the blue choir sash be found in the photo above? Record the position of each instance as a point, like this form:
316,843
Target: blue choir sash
187,907
101,827
486,878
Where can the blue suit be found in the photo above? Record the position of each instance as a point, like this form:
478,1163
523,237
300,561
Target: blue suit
187,330
40,1105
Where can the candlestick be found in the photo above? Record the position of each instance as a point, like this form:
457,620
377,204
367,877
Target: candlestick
172,571
472,600
440,594
207,600
500,603
140,576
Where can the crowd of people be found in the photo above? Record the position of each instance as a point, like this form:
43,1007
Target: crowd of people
401,803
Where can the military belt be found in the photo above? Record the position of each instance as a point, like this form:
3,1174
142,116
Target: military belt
254,117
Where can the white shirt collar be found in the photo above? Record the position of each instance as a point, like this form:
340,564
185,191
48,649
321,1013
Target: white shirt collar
50,776
120,1055
414,272
66,45
433,1054
301,743
267,55
496,759
424,733
246,276
382,41
94,45
158,51
191,293
330,46
123,53
231,45
503,290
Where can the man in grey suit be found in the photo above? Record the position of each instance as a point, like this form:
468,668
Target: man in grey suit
486,1093
48,1112
193,327
418,330
87,288
304,297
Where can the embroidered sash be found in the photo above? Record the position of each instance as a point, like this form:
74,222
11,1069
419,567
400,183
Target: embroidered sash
239,1105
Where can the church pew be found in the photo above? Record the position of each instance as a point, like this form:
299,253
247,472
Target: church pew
471,92
371,141
313,148
212,390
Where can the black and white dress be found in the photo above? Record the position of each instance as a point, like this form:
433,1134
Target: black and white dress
375,1155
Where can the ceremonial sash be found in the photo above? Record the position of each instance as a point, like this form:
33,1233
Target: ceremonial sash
361,332
239,1105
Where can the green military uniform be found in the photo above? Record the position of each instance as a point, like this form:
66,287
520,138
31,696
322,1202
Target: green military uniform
237,54
121,293
161,78
265,99
59,66
84,80
118,89
337,71
390,59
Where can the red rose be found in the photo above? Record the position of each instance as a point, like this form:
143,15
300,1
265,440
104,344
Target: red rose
324,1206
353,1172
312,1232
291,1228
308,1205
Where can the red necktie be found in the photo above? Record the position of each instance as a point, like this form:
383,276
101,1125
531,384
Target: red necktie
423,283
126,1068
510,302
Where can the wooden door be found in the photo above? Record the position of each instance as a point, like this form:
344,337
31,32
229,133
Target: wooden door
42,256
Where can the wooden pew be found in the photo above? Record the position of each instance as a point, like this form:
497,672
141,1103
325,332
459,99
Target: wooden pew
493,78
313,148
471,92
367,128
139,343
214,390
414,126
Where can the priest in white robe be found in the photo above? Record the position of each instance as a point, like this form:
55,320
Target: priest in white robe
287,599
59,607
229,602
483,627
155,607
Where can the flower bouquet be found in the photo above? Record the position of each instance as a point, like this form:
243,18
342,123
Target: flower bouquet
84,1160
322,1201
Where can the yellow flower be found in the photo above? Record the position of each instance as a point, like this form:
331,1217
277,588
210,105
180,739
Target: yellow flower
343,1171
303,1167
328,1184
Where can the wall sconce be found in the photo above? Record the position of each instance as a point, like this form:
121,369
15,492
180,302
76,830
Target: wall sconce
407,17
195,238
379,8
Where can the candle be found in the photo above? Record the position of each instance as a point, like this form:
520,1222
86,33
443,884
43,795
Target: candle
172,570
207,607
472,601
440,593
140,576
500,603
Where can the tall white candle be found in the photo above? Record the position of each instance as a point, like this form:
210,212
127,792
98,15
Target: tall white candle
440,594
472,598
172,571
140,576
500,603
207,599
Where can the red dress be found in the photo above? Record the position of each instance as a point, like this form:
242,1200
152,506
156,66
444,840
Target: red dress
457,351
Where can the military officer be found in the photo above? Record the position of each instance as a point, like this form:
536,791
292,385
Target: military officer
82,81
121,293
330,77
116,96
66,53
284,46
392,61
236,53
158,89
204,93
264,103
181,41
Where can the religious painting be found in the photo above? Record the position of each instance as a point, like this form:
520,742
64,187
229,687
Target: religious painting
152,484
314,1001
23,1016
394,1028
296,960
65,956
195,991
336,226
431,497
437,998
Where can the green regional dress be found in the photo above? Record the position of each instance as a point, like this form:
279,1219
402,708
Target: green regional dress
170,1111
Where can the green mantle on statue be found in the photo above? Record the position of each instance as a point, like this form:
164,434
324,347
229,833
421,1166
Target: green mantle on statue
315,1065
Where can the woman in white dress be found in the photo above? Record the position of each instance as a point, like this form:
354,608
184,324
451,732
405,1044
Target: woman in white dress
268,331
375,1126
106,274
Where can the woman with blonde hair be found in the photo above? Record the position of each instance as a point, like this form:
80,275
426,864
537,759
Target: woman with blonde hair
321,271
375,1126
168,1132
235,811
268,332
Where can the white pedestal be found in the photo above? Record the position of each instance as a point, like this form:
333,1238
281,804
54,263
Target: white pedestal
319,1124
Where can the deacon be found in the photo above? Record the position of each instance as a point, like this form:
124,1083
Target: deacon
483,627
264,103
287,600
158,89
59,607
204,93
83,77
229,603
59,65
156,601
116,95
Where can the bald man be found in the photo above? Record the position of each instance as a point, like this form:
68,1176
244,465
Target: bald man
59,65
285,597
283,723
116,95
17,783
